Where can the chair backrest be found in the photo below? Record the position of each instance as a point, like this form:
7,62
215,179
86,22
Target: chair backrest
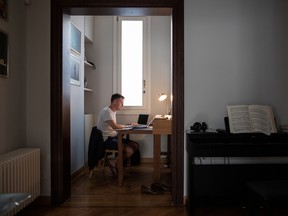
96,149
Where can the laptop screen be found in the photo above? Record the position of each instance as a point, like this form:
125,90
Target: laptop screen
143,119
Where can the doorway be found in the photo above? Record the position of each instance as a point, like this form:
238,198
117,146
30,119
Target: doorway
60,86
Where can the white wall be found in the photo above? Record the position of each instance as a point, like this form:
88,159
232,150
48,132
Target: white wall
217,32
77,107
283,75
12,89
38,84
101,54
234,54
101,80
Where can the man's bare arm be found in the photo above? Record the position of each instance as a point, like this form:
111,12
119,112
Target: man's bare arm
114,125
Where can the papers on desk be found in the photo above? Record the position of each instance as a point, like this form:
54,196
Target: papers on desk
140,126
127,127
165,117
136,127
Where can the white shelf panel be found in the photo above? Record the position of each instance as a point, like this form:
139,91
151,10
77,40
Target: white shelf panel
89,65
88,90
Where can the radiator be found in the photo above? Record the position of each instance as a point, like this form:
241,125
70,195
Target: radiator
20,173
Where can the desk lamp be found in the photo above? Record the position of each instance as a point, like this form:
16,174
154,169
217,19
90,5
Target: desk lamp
163,97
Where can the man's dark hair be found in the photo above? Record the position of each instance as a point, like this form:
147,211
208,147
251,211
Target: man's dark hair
116,96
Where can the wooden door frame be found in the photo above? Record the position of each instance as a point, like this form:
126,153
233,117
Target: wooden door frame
60,90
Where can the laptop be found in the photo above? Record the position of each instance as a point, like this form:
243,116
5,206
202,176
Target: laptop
142,121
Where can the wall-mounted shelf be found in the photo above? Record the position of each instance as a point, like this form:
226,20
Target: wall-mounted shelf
87,40
88,30
88,90
88,64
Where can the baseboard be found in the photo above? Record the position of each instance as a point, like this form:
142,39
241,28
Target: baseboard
41,201
151,160
78,173
146,160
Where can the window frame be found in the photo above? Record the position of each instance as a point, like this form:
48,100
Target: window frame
117,74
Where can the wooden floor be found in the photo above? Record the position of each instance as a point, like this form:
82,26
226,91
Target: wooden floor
102,196
103,190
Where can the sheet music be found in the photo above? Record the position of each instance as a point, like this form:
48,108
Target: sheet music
239,119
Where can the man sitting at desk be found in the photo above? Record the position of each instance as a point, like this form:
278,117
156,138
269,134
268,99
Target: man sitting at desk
108,125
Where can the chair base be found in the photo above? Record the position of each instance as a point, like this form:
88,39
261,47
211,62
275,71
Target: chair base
103,162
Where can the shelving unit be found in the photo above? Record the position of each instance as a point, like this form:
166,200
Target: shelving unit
88,64
89,29
88,90
89,69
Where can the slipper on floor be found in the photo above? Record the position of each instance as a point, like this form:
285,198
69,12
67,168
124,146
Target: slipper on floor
159,186
147,190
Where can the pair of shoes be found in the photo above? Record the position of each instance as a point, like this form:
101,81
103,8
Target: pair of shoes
148,190
159,186
112,168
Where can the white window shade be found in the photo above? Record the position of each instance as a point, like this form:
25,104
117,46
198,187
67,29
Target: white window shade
132,63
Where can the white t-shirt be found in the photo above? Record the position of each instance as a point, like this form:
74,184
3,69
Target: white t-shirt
105,115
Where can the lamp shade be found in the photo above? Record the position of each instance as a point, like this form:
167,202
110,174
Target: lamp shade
162,96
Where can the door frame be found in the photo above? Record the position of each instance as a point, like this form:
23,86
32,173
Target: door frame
60,87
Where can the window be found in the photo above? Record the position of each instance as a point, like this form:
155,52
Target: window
131,66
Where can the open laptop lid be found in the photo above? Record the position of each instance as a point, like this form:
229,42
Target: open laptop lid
143,119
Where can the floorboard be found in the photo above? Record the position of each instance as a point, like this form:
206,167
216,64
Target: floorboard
103,191
119,200
105,211
102,196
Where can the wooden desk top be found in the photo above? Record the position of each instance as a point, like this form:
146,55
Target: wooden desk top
148,130
160,127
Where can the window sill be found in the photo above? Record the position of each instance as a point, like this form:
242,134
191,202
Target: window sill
133,111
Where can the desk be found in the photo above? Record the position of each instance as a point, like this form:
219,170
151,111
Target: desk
160,127
121,133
